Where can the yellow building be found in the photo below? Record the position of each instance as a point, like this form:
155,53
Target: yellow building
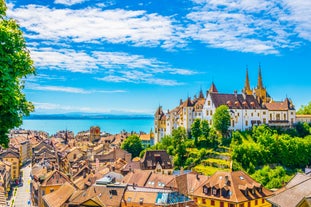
48,183
14,158
231,189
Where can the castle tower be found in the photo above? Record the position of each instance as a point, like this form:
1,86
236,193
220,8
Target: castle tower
247,89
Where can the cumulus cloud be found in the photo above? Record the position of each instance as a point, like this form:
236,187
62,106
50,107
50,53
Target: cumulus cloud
93,24
246,26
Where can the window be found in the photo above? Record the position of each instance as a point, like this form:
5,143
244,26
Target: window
241,205
263,200
284,116
51,190
129,199
246,123
222,204
270,116
258,114
208,103
256,202
206,113
211,112
264,120
252,114
141,200
214,191
212,203
203,201
278,117
264,113
249,204
231,205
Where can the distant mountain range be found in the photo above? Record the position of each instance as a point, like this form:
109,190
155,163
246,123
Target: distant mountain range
88,116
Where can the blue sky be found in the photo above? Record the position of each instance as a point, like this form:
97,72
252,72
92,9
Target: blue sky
132,56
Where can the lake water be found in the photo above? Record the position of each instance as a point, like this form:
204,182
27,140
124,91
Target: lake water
112,126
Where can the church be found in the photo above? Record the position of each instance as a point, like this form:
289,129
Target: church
251,107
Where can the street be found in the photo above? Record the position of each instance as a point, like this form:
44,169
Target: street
22,197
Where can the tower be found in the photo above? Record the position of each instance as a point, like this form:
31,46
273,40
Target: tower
247,90
260,91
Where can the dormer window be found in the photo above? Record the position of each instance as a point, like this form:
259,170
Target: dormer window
214,191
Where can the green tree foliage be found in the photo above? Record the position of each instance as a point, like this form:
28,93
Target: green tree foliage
205,129
271,178
15,64
221,119
196,131
305,109
179,137
133,145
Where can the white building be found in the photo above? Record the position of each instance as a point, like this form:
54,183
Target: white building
251,107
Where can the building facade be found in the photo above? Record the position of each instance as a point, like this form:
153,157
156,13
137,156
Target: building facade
249,108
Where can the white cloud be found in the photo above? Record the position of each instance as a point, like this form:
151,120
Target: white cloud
69,89
93,24
51,106
258,26
111,66
68,2
63,59
134,76
300,16
47,107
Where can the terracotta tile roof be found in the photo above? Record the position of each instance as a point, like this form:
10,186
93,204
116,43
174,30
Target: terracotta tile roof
107,195
145,137
60,196
231,186
137,177
235,101
135,197
158,180
55,178
280,105
187,183
152,157
293,195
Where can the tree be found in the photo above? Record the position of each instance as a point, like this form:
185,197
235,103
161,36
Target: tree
221,119
15,64
133,145
305,109
205,128
179,136
196,131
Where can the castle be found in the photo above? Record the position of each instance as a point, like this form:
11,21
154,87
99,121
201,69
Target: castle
251,107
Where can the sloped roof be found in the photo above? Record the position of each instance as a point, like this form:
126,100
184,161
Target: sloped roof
234,182
235,101
60,196
107,195
152,157
280,105
293,195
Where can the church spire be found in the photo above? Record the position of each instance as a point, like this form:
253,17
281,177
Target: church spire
259,84
247,87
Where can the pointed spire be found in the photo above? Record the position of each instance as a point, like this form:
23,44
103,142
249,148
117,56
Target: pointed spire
201,95
247,86
213,88
259,84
